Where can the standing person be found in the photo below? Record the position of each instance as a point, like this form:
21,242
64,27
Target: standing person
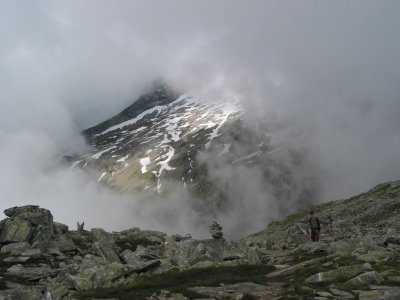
315,227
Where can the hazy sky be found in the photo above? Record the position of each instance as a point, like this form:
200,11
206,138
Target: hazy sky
329,70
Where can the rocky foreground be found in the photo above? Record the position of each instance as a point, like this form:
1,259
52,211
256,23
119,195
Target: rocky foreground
42,259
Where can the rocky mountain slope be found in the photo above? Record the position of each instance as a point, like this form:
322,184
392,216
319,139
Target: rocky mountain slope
156,140
42,259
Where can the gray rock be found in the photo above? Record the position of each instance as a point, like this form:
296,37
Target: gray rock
16,248
235,291
371,256
60,228
203,264
16,231
19,259
27,223
43,234
91,261
367,278
342,294
311,247
31,213
340,247
230,257
342,273
130,257
323,294
253,256
307,290
34,253
100,235
99,276
32,272
149,235
166,295
24,293
4,296
394,279
389,293
56,291
106,251
63,244
293,268
178,238
200,253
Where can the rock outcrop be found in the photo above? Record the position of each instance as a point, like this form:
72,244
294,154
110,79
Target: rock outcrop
41,259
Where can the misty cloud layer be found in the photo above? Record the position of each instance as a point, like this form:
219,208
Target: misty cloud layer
327,72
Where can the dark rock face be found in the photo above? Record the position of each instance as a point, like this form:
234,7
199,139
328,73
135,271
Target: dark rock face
26,224
162,95
16,231
31,213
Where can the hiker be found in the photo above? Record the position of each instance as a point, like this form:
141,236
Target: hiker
315,227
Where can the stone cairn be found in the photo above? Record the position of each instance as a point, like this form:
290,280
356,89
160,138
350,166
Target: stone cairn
216,231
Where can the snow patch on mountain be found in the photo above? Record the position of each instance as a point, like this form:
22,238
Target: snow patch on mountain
156,138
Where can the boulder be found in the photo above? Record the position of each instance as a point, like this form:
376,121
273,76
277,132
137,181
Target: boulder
31,213
32,272
33,253
4,296
367,278
178,238
382,294
202,264
91,261
164,267
371,256
96,277
26,223
253,256
341,274
60,228
24,293
63,244
166,295
19,259
341,294
394,279
147,235
130,257
300,266
312,248
106,251
324,294
237,291
56,291
341,247
43,234
16,231
100,235
200,253
16,248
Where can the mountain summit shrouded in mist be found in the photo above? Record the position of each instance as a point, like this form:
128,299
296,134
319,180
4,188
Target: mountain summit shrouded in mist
287,104
204,153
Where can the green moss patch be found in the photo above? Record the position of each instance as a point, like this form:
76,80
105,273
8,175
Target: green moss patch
178,282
